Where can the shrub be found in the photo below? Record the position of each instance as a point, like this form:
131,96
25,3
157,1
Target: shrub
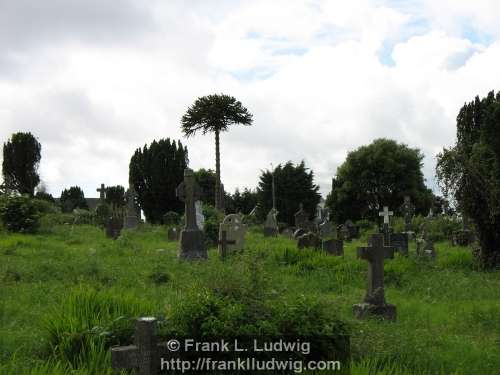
102,213
19,214
213,218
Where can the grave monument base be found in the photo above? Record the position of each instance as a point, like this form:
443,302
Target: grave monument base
365,310
333,247
192,245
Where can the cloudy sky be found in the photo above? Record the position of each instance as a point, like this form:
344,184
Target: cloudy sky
94,80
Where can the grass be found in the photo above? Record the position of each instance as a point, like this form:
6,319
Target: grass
68,293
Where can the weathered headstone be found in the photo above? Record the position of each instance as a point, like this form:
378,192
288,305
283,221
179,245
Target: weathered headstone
192,239
374,302
425,244
133,215
223,243
145,355
408,210
343,233
464,236
326,228
386,225
352,229
299,232
200,218
302,219
102,193
173,234
333,246
114,225
271,224
400,242
309,239
235,231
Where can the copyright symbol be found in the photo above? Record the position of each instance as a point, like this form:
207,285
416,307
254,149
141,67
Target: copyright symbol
173,345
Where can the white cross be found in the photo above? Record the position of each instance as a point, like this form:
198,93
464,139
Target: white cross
386,213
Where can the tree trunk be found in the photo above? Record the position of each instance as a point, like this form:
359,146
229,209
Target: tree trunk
217,171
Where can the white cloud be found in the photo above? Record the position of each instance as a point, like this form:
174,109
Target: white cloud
312,72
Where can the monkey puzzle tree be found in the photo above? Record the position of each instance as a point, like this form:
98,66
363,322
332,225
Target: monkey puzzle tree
214,114
469,172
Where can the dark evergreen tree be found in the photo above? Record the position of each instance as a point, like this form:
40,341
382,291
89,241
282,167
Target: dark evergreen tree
469,173
377,175
294,184
115,196
214,114
244,201
155,172
73,198
44,196
21,157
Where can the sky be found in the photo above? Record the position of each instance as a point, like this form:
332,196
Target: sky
94,80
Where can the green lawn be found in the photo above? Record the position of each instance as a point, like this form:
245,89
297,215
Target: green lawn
448,312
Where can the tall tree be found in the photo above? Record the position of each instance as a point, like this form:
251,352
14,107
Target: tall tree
379,174
469,172
214,114
294,184
115,196
21,157
73,198
155,172
244,201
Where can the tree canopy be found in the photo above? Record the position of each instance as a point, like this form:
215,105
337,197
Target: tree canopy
21,157
115,196
379,174
73,198
294,184
469,172
155,171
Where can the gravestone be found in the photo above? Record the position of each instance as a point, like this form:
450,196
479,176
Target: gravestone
114,227
133,215
326,228
343,233
408,210
374,303
386,225
333,246
192,239
309,240
102,193
299,232
200,218
271,223
352,229
400,242
223,243
302,219
464,236
425,244
235,231
145,355
288,233
173,234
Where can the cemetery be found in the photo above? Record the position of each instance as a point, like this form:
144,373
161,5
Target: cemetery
354,243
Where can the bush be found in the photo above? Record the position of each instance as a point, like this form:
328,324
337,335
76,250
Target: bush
213,218
102,213
19,214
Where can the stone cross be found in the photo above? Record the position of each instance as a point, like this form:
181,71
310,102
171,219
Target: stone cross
408,210
192,239
271,223
223,242
375,254
145,355
302,218
189,192
386,214
133,216
102,192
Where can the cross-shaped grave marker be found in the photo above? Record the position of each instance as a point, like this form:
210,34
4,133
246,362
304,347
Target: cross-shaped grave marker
145,355
102,192
192,239
374,302
386,228
223,242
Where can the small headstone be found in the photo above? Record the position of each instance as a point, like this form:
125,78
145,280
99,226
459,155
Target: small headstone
133,215
287,232
299,232
374,302
309,240
302,219
352,229
425,244
235,231
333,246
326,229
408,210
271,224
343,233
173,234
114,227
400,242
192,239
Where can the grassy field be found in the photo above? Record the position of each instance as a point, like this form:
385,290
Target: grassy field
62,286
